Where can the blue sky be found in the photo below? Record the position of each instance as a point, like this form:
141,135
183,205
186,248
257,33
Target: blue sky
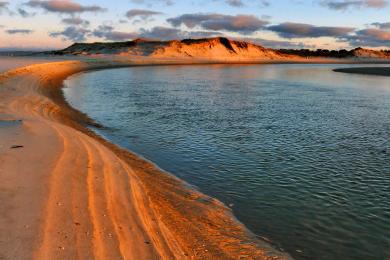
333,24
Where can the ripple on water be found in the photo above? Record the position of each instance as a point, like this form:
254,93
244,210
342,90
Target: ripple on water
301,160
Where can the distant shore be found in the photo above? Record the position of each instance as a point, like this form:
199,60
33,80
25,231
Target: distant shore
379,71
67,193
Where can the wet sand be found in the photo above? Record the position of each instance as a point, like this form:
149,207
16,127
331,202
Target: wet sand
66,193
379,71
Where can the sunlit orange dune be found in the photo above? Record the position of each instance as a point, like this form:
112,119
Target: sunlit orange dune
66,193
218,49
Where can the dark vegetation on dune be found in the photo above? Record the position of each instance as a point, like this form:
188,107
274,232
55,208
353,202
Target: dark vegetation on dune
343,53
319,53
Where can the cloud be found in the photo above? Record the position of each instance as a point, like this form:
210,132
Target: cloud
241,3
19,31
265,3
75,21
199,34
63,6
384,26
72,33
275,44
235,3
76,33
4,4
302,30
141,13
379,35
160,32
24,13
108,33
347,4
169,33
4,7
150,2
369,37
245,24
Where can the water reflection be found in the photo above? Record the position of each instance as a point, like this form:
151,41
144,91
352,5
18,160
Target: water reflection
300,151
9,63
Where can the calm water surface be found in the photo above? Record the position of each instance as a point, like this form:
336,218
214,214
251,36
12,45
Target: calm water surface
300,153
9,63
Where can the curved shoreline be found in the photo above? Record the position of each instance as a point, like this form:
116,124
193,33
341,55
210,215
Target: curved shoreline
76,195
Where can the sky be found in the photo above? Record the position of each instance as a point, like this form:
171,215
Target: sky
326,24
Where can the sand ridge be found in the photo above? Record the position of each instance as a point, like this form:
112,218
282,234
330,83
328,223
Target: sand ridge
69,194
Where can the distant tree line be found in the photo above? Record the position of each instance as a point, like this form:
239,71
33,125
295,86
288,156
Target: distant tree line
319,53
324,53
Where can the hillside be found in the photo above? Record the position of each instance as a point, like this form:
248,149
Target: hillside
366,53
213,48
219,48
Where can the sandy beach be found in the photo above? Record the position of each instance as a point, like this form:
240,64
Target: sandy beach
66,193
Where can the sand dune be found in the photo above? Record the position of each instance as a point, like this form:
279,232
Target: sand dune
212,49
370,54
217,49
66,193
